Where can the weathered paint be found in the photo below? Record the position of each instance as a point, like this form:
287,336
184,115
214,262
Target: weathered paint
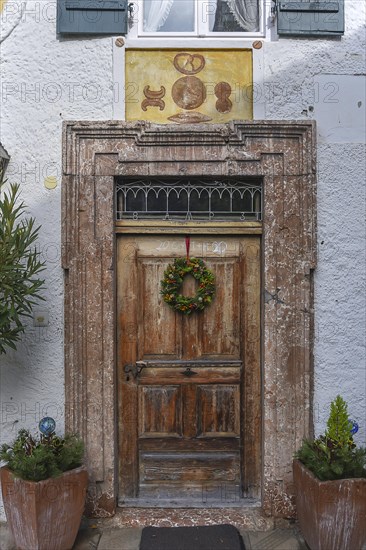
45,514
331,513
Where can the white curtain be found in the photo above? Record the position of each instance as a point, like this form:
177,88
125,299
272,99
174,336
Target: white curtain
245,13
158,14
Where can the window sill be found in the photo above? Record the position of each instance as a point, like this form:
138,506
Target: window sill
194,42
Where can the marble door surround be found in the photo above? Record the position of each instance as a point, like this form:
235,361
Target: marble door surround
282,154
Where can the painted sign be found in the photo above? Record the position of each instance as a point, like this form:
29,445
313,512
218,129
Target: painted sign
192,86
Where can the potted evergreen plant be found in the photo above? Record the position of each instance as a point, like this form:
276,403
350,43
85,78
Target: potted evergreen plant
330,483
20,286
43,481
44,487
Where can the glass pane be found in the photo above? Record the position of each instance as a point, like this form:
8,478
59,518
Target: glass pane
178,201
156,200
169,16
199,200
242,202
220,201
232,15
135,200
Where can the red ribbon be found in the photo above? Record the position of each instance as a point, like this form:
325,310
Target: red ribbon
188,244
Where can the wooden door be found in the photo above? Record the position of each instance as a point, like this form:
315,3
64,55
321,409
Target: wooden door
189,386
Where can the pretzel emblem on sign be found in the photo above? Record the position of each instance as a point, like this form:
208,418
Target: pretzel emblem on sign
187,63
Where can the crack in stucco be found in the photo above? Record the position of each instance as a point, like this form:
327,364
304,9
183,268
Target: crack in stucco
11,29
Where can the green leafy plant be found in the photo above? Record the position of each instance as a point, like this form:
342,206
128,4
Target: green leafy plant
20,286
334,455
36,458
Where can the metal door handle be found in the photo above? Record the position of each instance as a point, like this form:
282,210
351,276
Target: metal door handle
135,369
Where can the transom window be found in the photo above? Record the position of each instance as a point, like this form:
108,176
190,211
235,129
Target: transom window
199,17
205,199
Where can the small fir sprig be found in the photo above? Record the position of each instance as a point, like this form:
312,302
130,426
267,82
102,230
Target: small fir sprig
334,455
338,424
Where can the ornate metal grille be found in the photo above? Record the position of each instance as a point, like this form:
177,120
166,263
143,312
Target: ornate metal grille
188,199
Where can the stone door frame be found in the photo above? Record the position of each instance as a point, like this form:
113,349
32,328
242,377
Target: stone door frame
282,154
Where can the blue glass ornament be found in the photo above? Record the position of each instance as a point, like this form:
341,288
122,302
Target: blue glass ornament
47,425
353,426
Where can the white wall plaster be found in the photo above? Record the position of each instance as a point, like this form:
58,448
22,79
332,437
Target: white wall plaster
340,109
324,80
340,283
46,80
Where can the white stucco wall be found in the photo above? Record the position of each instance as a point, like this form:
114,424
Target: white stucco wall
324,80
46,80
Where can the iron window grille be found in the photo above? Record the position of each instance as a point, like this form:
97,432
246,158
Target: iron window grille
188,199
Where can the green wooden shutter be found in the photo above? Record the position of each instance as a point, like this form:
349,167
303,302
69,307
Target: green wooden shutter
310,18
92,16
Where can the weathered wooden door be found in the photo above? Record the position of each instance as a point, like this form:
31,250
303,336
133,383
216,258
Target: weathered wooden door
189,386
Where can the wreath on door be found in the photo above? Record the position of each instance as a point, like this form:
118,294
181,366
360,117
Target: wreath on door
173,280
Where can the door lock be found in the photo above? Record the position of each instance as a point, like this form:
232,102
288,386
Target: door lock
134,369
188,372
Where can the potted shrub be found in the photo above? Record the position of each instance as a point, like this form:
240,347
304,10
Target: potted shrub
330,483
44,486
20,265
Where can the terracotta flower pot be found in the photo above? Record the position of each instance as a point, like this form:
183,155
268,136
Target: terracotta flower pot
44,515
331,514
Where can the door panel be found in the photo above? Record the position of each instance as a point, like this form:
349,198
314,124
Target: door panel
160,411
218,410
161,342
194,468
189,412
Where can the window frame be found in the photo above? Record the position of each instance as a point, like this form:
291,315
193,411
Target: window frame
201,27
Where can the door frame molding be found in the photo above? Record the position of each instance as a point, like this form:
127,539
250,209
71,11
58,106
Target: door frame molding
282,153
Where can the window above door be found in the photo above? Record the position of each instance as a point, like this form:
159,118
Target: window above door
189,199
199,18
162,18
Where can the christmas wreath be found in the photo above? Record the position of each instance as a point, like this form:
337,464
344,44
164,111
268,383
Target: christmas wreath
173,279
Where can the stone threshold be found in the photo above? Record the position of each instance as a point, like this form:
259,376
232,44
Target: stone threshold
245,517
205,503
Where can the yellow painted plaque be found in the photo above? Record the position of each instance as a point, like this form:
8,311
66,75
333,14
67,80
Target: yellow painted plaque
189,86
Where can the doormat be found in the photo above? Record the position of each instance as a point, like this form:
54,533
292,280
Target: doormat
210,537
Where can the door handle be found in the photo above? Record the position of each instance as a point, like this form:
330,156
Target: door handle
188,372
134,369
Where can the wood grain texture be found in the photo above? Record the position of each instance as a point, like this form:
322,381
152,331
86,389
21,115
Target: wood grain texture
218,410
160,411
193,384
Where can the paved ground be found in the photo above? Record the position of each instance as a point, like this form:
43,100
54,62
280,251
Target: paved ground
92,536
